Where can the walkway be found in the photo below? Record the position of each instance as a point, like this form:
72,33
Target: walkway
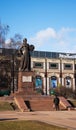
60,118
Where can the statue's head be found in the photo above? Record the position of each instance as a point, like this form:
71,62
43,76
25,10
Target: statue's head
25,40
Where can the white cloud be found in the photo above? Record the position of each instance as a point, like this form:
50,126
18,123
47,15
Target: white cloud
43,36
7,41
47,33
52,40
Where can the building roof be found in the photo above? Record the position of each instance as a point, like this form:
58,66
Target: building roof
40,54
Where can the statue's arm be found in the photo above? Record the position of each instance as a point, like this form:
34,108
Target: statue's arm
21,50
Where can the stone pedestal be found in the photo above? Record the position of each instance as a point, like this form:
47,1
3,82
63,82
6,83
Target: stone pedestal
26,81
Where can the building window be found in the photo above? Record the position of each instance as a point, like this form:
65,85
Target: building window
38,82
38,65
53,65
68,66
68,82
53,82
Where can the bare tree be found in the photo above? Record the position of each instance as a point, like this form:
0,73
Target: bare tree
3,32
14,42
17,40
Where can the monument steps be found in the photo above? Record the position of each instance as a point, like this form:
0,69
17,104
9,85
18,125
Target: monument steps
36,102
41,105
42,102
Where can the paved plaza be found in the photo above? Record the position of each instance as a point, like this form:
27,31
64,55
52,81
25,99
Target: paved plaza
60,118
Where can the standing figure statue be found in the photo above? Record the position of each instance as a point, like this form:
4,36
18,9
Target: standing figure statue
26,59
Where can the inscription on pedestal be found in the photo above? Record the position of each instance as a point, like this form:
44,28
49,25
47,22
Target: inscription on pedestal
26,82
26,78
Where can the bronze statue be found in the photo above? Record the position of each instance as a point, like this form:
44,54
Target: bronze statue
26,59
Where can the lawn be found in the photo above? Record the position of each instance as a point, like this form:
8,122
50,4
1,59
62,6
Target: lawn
27,125
24,125
6,106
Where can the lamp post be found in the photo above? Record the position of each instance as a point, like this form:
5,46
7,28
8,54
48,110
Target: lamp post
61,71
13,61
46,73
75,74
12,72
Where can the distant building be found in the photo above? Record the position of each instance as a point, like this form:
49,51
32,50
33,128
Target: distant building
52,69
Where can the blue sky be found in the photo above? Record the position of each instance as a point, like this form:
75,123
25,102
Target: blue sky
50,25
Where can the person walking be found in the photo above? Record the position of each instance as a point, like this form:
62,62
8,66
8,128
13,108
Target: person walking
56,102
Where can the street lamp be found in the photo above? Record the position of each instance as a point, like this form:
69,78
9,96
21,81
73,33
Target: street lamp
13,62
61,71
46,73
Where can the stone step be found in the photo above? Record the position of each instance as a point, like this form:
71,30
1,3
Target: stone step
65,103
20,103
39,103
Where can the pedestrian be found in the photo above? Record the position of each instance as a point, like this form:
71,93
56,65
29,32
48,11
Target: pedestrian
56,102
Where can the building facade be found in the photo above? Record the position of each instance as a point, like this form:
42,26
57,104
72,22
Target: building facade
52,69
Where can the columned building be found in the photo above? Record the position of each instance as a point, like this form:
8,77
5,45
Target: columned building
52,69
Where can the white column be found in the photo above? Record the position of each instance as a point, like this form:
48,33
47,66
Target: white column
73,83
62,81
59,81
31,64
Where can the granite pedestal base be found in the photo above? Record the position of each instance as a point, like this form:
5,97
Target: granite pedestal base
26,82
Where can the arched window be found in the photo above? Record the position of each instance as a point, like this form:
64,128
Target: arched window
53,82
68,81
38,82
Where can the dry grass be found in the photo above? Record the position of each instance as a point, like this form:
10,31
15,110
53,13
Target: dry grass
4,106
27,125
